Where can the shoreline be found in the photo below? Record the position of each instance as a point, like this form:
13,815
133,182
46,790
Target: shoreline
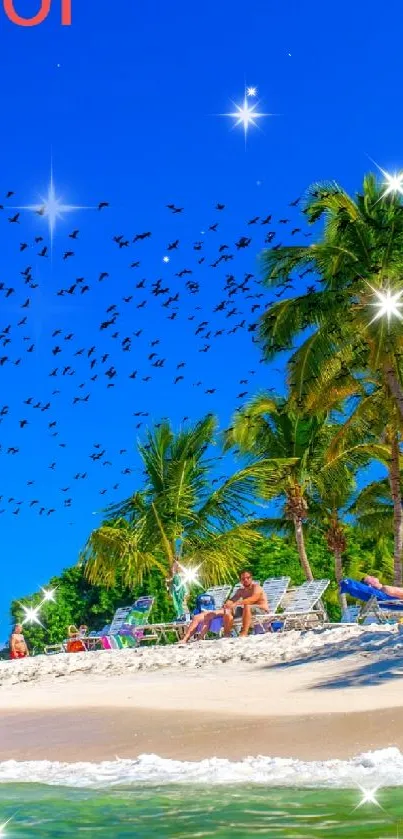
92,735
305,696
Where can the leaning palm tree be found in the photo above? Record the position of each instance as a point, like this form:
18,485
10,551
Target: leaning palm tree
176,516
359,263
272,427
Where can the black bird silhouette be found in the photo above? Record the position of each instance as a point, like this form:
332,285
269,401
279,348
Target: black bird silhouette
103,205
15,219
243,242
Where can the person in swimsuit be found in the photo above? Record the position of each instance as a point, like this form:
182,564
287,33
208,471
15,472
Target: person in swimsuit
391,591
18,646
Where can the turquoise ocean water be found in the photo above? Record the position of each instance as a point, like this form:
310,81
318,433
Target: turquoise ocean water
185,812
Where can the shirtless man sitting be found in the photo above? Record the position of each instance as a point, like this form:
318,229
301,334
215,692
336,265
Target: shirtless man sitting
247,601
18,646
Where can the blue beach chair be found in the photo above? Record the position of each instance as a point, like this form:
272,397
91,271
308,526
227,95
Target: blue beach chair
376,604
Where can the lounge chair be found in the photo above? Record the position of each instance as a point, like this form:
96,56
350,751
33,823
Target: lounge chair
129,628
303,607
219,594
376,604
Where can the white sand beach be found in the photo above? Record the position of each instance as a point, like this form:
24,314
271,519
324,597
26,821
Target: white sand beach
317,694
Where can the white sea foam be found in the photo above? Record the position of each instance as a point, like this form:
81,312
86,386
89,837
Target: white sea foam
380,768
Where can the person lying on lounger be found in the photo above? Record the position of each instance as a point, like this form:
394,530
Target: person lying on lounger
391,591
247,601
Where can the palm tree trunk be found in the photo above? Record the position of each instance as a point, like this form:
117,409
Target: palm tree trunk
394,482
338,571
299,536
394,387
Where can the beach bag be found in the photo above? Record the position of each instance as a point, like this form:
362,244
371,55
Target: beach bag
204,603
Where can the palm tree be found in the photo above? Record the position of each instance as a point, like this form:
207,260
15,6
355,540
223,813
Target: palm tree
272,427
373,512
359,260
177,516
327,511
375,416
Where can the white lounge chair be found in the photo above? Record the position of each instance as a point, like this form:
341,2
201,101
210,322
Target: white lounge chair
303,606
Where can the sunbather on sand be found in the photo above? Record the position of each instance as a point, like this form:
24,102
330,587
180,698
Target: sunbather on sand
247,601
391,591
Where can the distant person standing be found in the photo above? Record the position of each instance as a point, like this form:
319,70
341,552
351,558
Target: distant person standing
18,646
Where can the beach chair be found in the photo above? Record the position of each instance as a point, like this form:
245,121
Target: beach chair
303,607
350,615
130,626
376,605
178,628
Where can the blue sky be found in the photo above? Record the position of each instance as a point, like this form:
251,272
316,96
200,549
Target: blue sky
130,117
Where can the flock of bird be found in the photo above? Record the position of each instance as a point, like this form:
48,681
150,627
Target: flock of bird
80,339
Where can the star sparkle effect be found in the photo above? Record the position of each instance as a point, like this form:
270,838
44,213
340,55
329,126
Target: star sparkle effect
189,576
393,183
52,207
32,613
3,829
246,114
368,797
48,595
388,304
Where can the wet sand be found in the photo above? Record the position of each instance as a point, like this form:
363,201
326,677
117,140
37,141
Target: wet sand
96,735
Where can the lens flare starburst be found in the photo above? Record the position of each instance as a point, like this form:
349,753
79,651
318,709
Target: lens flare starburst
3,829
393,183
31,615
388,304
49,595
246,114
189,576
369,797
52,207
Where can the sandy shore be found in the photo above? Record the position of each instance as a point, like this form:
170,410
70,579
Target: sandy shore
311,696
96,735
